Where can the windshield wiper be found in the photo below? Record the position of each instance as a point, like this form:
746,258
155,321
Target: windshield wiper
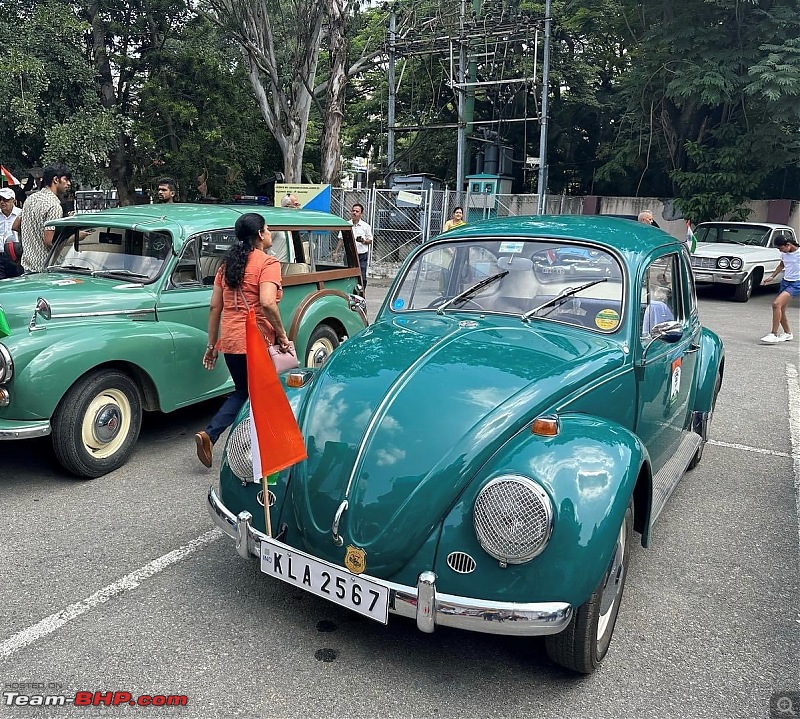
562,295
83,269
124,273
466,293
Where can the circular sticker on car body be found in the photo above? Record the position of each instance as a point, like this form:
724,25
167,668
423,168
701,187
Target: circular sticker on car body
607,319
398,304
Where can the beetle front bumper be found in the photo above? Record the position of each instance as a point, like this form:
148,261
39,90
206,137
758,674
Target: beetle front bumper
423,603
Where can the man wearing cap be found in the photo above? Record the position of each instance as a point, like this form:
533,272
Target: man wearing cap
8,214
39,209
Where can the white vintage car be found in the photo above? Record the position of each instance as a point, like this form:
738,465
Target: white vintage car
738,254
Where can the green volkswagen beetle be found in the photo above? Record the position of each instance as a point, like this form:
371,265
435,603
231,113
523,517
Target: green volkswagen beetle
117,322
528,397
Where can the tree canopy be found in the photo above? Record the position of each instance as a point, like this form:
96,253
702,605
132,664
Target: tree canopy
692,99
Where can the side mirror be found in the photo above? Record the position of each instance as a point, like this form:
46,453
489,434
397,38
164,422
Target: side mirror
669,332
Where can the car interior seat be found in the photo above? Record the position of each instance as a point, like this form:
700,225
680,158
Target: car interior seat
518,288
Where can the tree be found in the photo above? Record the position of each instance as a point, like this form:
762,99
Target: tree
280,42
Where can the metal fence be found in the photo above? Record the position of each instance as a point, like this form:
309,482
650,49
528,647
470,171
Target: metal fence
401,221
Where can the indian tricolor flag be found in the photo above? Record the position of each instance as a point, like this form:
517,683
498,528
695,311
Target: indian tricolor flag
691,240
275,438
10,179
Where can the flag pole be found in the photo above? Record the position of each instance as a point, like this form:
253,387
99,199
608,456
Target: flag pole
267,520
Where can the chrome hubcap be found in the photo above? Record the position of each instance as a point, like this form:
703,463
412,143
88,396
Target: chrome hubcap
613,584
107,423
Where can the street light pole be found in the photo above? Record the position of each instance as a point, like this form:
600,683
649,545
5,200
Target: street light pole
543,135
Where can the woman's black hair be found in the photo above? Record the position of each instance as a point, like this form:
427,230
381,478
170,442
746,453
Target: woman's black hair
457,208
247,228
784,240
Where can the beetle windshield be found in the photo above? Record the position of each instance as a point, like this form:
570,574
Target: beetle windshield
526,275
111,252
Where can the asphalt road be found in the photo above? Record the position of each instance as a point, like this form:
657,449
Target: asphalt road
119,584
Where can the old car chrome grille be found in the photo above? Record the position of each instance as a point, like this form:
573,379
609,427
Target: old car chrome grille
704,263
461,562
513,519
238,451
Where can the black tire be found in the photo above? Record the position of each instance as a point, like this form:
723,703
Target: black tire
97,423
321,344
583,644
698,455
742,292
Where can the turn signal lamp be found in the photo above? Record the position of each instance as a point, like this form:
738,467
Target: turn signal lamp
298,378
545,426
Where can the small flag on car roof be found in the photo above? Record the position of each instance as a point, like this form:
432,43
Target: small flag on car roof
9,177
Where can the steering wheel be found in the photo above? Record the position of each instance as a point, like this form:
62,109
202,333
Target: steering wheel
459,305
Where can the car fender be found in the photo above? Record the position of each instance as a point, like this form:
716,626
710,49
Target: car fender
589,471
49,362
324,307
710,363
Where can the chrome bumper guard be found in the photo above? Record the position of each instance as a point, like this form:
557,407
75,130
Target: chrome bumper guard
423,603
11,429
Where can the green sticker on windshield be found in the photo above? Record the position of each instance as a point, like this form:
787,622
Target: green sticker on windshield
607,319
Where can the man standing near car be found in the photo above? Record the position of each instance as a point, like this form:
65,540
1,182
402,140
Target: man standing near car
8,214
362,233
166,190
42,207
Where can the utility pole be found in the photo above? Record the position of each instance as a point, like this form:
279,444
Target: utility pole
392,96
542,189
461,142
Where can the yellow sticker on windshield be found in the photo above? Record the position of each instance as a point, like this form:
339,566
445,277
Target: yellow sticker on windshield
607,319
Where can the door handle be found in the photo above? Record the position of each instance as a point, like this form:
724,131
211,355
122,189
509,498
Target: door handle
692,349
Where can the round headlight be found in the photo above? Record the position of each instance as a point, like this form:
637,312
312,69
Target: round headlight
736,263
723,263
513,519
238,451
6,365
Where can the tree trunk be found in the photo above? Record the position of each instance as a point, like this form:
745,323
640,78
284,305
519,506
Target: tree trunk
119,170
338,42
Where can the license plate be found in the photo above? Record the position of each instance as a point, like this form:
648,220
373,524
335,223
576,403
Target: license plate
702,277
326,580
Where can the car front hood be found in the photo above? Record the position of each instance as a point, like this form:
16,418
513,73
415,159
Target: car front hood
717,249
401,419
69,294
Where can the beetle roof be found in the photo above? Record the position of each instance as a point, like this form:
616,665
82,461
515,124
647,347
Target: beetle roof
185,219
621,234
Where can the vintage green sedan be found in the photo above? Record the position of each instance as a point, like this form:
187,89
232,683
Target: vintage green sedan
117,322
528,397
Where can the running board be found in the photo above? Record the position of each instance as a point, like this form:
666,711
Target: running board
670,474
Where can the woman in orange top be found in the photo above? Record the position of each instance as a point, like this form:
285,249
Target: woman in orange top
247,278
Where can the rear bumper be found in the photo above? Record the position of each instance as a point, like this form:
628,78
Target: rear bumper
423,602
21,429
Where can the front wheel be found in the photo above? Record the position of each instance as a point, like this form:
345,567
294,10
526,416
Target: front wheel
583,644
742,292
97,423
321,344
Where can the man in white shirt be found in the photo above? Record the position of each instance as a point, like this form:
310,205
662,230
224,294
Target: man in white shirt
362,233
8,213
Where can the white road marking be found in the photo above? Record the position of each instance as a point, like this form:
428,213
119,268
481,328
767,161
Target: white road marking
50,624
794,433
747,448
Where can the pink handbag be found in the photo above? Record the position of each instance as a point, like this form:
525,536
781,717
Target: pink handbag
283,361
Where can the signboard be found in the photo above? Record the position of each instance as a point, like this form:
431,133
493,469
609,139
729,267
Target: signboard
311,197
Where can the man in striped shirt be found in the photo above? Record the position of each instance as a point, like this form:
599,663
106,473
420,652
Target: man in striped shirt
39,208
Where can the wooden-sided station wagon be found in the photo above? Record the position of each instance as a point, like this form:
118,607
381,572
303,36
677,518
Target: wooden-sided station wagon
116,324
